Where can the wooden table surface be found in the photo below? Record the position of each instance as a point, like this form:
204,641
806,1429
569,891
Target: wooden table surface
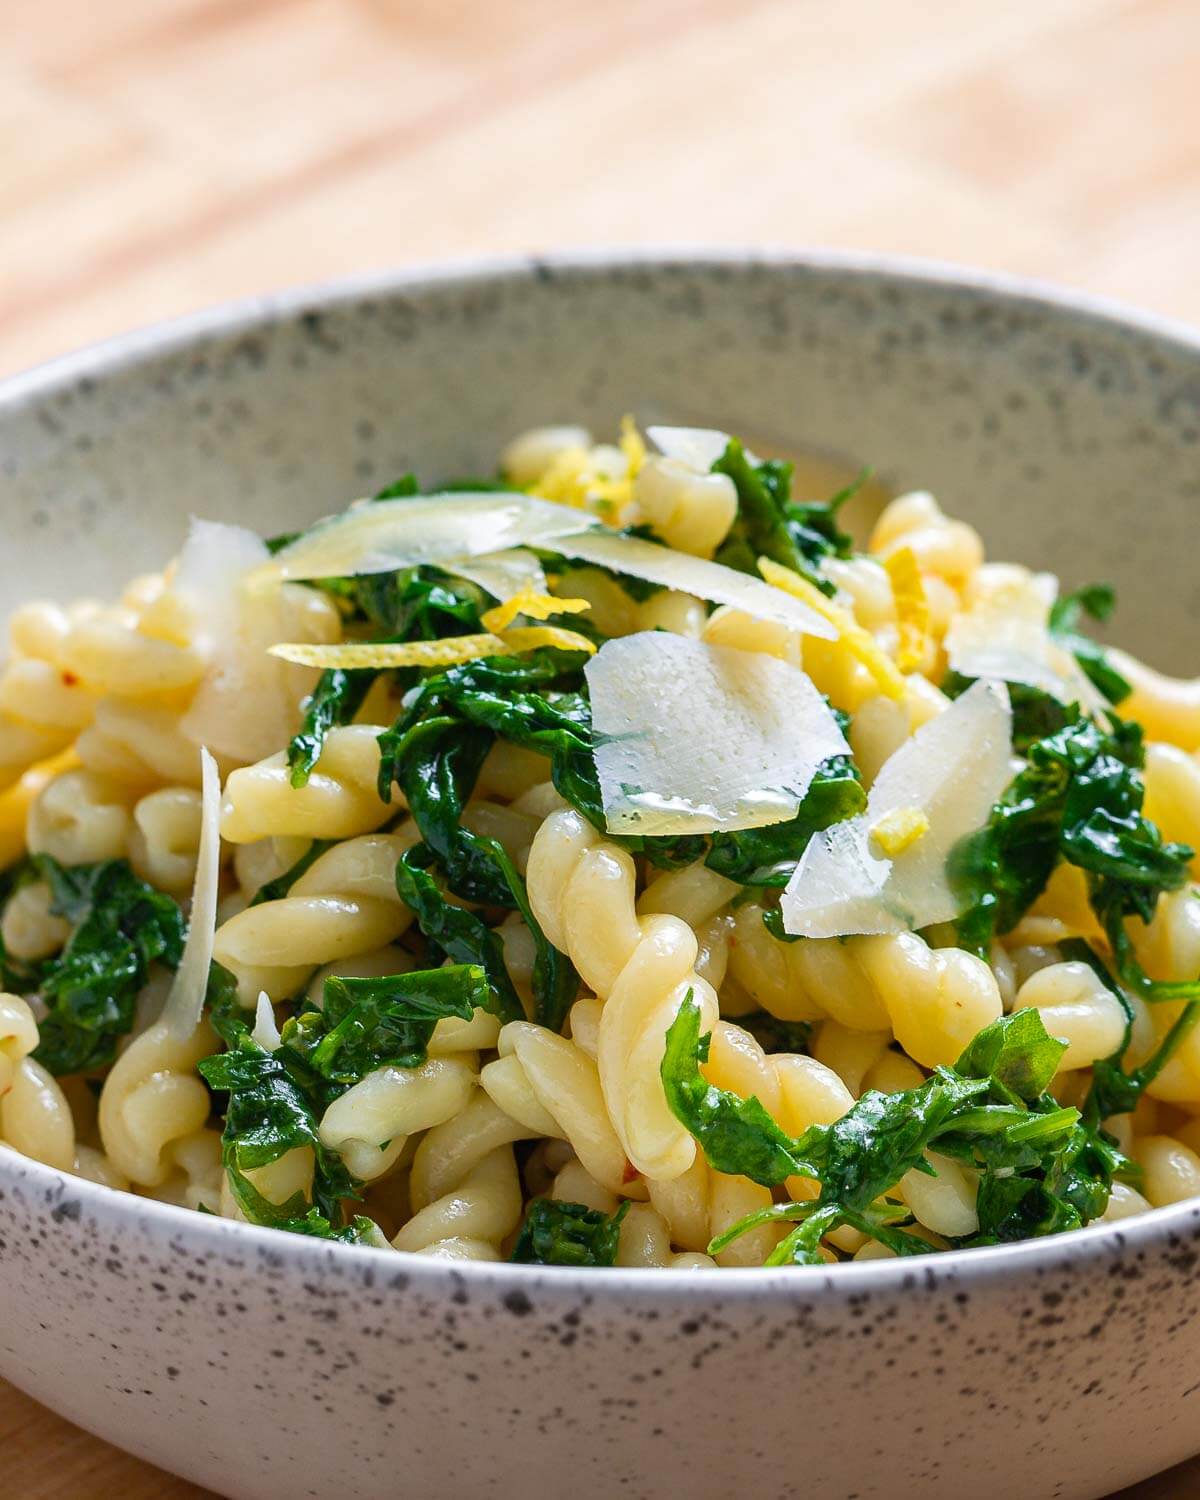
160,155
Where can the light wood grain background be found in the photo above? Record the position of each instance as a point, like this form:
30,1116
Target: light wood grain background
160,155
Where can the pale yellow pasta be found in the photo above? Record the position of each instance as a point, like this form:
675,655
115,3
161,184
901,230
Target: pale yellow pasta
947,549
690,511
345,903
340,800
480,1212
531,453
582,891
35,1118
80,818
139,742
369,1123
1171,1170
165,838
1172,778
1168,708
29,928
1078,1008
152,1099
944,1203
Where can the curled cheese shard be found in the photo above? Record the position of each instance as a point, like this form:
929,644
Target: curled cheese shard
697,447
949,775
185,999
692,738
695,575
388,534
501,574
1004,633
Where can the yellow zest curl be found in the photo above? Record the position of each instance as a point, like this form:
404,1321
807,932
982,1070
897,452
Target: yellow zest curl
859,642
898,830
447,652
534,605
912,608
573,480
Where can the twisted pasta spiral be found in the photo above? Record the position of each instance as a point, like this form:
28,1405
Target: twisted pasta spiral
582,891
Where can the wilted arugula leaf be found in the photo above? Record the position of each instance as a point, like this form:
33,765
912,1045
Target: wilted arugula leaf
774,1035
387,1022
989,1111
459,934
568,1234
269,1113
121,926
1078,798
738,1136
1097,601
335,700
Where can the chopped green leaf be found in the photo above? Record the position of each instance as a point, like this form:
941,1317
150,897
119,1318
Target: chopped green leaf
568,1234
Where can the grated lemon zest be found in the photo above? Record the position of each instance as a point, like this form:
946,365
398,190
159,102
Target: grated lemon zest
859,642
531,637
572,480
446,652
535,605
912,608
899,829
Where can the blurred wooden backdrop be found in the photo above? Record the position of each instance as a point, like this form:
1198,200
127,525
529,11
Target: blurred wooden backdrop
160,155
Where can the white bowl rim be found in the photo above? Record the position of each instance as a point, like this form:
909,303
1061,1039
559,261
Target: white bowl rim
1097,1243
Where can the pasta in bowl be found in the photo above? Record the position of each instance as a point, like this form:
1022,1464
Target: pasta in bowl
608,863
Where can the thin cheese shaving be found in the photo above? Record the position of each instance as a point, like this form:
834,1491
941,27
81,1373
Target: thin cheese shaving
694,575
266,1028
533,606
859,642
697,447
912,608
693,737
389,534
501,574
949,774
1005,633
185,1000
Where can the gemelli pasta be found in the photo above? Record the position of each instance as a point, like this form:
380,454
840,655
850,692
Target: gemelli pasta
545,932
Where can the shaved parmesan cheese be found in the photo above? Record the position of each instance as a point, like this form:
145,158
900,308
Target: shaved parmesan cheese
1005,633
697,447
502,574
426,529
691,738
185,1000
694,575
266,1030
533,606
245,707
859,642
948,775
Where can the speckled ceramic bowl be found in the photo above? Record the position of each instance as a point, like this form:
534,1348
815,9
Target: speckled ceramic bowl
262,1365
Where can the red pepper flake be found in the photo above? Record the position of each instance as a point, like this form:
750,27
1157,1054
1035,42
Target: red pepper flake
629,1173
69,679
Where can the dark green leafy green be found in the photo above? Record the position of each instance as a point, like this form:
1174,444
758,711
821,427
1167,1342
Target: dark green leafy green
774,1035
335,700
272,1108
120,926
1096,601
377,1023
770,524
568,1234
1078,798
461,935
990,1111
